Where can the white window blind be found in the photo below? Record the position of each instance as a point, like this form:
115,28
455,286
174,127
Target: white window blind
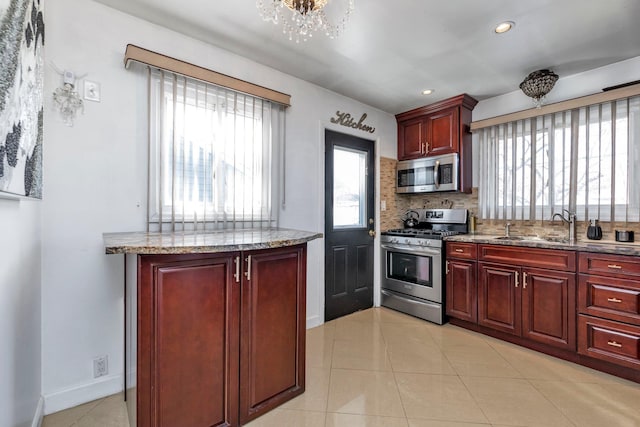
214,156
586,160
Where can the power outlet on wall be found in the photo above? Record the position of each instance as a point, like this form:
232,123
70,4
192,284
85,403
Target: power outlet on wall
100,366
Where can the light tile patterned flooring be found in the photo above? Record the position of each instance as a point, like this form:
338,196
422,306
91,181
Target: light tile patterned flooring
380,368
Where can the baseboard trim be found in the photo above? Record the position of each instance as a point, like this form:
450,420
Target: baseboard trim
37,417
314,321
83,393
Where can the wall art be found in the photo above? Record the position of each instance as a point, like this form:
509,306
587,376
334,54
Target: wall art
21,96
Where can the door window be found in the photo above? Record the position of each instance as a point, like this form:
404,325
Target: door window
350,188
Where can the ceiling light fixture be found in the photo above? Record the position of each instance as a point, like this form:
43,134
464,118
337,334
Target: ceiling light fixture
538,84
503,27
427,91
301,18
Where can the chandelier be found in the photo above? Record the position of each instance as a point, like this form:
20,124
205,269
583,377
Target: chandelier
538,84
301,18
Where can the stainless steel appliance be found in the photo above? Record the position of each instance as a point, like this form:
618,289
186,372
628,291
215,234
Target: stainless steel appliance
428,174
412,279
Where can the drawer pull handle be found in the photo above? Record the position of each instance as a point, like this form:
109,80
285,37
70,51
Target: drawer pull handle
616,300
447,267
460,250
517,279
615,266
614,344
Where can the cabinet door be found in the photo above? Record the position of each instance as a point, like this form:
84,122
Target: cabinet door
499,298
549,307
442,132
273,326
187,341
461,295
412,135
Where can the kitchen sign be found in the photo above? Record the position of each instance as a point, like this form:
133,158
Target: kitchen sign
345,119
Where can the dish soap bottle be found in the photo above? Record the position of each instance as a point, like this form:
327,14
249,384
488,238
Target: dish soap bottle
594,231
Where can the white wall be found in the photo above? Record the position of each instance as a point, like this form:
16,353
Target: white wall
582,84
95,182
20,341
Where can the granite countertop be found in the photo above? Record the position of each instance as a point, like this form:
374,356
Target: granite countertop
600,246
190,242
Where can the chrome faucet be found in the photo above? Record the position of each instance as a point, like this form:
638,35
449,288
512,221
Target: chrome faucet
570,220
507,230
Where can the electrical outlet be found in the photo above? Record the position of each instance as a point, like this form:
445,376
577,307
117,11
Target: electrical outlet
383,205
100,366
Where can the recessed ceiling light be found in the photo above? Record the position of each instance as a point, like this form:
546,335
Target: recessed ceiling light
503,27
427,91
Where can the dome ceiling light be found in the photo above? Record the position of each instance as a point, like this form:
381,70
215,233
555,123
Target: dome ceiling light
503,27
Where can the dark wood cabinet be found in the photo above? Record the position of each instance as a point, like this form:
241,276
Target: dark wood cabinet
443,132
273,324
412,135
220,337
439,128
535,298
534,303
187,341
461,296
461,293
609,304
549,307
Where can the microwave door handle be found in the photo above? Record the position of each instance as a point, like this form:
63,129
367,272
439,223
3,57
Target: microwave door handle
436,174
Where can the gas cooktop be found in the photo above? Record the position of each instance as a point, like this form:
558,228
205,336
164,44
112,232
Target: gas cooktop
422,233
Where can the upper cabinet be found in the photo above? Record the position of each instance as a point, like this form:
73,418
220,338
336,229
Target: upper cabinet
439,128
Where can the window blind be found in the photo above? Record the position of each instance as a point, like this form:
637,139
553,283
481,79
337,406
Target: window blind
214,156
586,160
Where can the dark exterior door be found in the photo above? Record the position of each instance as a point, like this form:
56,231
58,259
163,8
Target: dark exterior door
349,224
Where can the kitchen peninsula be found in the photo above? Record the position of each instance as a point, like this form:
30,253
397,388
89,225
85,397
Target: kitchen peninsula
215,323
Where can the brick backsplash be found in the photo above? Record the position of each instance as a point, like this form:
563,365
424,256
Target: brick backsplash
398,204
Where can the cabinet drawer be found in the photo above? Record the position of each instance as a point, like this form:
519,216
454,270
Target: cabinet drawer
551,259
461,250
610,265
607,340
609,297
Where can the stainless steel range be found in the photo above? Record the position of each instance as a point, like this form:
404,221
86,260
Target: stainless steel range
412,263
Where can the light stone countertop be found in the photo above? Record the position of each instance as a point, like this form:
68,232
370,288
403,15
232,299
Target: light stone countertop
599,246
191,242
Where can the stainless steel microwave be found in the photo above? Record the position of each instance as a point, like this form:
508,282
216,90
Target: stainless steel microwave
428,174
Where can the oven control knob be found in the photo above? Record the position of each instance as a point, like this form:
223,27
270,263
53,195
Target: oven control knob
406,241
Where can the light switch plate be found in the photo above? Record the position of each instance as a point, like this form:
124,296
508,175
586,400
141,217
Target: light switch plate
91,91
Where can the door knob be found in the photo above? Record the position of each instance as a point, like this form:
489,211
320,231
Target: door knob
372,233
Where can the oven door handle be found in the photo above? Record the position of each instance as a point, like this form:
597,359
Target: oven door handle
412,250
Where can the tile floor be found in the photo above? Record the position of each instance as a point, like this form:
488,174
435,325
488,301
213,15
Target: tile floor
380,368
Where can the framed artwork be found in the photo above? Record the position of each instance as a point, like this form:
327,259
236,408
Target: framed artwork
21,97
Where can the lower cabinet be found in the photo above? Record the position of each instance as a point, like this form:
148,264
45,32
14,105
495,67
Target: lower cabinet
220,337
461,293
536,304
609,303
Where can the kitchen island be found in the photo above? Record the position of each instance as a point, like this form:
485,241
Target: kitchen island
215,324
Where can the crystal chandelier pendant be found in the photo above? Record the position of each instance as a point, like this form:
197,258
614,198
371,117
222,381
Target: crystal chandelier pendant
538,84
301,18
